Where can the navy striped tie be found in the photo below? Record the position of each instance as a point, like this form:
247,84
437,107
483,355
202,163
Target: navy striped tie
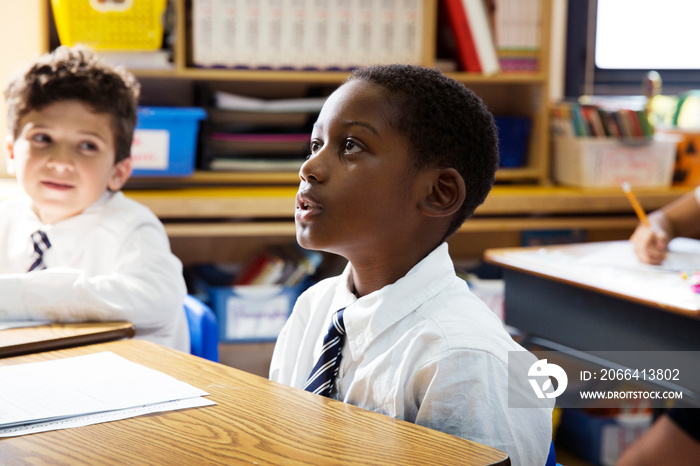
324,372
41,244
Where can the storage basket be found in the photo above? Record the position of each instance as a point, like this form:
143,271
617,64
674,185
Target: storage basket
110,24
607,162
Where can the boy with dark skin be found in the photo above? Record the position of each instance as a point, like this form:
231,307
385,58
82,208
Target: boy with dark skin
400,157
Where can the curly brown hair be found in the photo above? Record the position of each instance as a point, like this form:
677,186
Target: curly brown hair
446,124
75,73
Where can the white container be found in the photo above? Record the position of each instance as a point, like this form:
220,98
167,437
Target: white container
607,162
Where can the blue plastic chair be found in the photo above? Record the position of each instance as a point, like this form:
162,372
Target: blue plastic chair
204,329
551,458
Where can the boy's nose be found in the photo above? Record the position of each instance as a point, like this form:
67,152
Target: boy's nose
314,168
60,159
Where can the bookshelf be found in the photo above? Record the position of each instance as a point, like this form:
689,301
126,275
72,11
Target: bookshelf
512,93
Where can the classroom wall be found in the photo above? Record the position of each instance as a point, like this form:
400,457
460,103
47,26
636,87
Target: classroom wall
23,35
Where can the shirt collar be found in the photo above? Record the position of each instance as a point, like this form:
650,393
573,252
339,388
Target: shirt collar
369,316
72,228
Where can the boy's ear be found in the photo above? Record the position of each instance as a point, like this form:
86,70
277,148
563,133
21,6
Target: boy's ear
446,194
10,155
120,174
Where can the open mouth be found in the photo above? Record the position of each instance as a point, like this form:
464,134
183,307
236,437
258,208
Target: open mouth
305,206
56,185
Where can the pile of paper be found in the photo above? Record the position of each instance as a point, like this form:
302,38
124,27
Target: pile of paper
83,390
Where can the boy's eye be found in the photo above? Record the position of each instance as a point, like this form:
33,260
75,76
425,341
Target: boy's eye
314,146
351,147
41,138
88,146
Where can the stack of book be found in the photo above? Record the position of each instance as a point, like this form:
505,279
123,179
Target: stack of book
286,265
301,34
517,25
600,119
248,134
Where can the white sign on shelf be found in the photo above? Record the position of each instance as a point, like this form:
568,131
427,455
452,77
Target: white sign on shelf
150,149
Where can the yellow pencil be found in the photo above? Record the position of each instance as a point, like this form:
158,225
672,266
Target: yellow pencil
635,203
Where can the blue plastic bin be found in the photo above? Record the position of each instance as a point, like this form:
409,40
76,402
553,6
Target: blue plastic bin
513,137
165,141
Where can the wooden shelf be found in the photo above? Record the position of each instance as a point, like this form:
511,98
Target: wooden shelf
548,206
499,79
474,225
209,178
242,202
320,77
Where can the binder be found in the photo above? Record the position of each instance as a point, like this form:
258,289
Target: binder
473,37
482,35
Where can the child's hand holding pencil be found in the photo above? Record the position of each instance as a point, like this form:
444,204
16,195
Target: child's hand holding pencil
650,241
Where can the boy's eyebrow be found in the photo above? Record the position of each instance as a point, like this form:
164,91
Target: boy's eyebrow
87,133
349,123
360,123
91,133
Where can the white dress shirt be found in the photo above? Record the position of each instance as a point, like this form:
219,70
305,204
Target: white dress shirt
423,349
110,262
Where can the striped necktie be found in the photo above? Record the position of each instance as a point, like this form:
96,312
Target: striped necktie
41,244
324,372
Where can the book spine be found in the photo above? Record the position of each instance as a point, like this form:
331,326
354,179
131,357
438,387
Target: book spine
272,45
412,32
478,19
339,39
318,35
467,56
384,31
202,32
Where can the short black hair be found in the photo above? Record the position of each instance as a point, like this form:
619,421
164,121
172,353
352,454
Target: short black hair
447,126
70,73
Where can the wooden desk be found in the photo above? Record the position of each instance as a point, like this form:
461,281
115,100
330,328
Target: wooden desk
255,421
561,305
26,340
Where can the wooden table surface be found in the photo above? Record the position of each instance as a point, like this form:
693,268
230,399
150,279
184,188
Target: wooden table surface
26,340
255,421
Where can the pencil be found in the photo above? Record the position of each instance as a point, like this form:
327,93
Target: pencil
635,204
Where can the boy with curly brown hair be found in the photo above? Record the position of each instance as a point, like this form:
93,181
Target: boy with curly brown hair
73,247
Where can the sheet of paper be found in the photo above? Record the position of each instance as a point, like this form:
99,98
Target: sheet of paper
89,419
613,266
5,324
81,385
248,104
683,255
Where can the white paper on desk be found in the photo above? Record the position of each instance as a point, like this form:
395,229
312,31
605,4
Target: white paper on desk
683,255
89,419
6,324
94,383
613,266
